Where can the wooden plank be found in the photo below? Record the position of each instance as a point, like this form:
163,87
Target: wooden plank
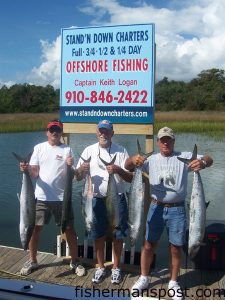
221,283
44,260
159,282
63,274
84,281
131,278
4,252
145,129
18,264
51,269
54,270
8,258
149,142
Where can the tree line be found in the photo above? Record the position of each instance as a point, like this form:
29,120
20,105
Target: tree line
205,92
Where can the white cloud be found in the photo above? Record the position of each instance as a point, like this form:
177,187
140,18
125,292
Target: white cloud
189,39
6,83
49,70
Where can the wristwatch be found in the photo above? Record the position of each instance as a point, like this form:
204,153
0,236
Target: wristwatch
204,163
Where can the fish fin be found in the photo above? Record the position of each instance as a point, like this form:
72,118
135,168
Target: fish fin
22,159
18,196
85,160
184,160
194,153
140,151
193,157
207,204
19,158
138,146
106,163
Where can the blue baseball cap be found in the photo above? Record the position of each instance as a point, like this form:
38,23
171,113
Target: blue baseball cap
105,124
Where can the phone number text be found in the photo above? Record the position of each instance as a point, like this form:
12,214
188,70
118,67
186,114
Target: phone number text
130,96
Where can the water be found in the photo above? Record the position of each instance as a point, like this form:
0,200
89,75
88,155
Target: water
22,143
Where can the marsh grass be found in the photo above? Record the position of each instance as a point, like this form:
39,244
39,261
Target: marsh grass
24,122
210,123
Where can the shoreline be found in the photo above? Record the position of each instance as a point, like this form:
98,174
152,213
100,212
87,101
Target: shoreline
204,122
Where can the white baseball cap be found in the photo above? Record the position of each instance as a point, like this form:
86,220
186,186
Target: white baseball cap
166,131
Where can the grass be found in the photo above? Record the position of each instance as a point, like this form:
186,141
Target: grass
210,123
25,122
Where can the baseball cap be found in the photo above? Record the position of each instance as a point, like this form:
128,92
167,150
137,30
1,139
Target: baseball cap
55,123
166,131
105,124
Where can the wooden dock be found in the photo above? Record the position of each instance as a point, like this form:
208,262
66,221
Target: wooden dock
197,284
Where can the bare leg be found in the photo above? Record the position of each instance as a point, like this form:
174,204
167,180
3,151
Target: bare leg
71,238
33,245
99,247
175,261
147,255
117,250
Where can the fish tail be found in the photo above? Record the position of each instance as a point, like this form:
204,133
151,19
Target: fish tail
22,159
18,157
106,163
140,151
193,157
85,160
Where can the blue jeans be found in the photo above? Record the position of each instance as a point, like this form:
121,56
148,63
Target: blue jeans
174,218
100,220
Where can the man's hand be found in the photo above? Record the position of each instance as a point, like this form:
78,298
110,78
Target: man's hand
138,160
85,167
69,160
23,166
113,169
196,165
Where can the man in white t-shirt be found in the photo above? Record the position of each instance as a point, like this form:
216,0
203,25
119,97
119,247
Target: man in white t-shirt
168,182
106,150
48,167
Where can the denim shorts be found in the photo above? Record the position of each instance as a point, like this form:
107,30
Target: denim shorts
174,218
100,220
45,209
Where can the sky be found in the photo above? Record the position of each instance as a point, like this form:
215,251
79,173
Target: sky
189,35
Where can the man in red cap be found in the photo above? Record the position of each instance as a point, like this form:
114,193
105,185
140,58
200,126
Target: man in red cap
48,166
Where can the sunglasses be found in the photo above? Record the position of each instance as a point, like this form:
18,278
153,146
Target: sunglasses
55,129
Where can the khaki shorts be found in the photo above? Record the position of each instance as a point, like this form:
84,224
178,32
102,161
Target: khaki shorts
45,209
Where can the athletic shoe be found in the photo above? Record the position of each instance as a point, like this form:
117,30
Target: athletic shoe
28,267
99,275
141,284
116,277
174,290
77,268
